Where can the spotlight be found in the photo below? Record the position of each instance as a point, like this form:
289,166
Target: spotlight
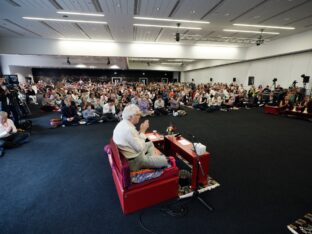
260,40
274,80
177,37
305,78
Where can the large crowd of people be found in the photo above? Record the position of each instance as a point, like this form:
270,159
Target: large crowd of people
103,102
89,102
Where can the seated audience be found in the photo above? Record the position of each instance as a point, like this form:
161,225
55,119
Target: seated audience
9,136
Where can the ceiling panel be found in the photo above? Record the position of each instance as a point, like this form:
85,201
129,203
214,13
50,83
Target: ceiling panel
37,27
147,35
5,31
96,31
67,29
35,4
267,10
156,8
18,29
229,10
117,7
77,5
293,15
194,10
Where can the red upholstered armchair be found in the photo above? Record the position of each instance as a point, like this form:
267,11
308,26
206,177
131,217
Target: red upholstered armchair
137,196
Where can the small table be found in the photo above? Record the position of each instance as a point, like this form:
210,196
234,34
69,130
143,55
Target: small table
180,146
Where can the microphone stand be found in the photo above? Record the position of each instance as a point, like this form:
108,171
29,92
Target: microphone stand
196,193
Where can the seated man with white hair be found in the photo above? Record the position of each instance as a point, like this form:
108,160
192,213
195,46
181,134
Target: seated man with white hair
131,143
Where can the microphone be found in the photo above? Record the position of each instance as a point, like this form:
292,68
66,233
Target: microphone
197,156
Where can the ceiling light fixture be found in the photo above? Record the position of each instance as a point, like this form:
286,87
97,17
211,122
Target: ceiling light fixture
172,20
177,35
165,26
175,64
79,13
247,31
180,60
144,59
264,26
65,20
81,39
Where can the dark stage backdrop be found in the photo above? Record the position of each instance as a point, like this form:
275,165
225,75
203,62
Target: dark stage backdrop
58,74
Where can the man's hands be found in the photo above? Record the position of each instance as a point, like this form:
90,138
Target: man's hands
70,119
144,126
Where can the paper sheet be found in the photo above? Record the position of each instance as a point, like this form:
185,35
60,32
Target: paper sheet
152,137
184,142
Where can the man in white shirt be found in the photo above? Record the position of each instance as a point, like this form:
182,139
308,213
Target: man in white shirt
9,137
159,106
131,143
109,111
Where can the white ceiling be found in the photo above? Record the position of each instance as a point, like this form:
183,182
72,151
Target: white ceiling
119,14
221,14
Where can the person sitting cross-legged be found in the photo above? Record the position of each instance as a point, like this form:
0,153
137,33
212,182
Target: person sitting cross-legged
90,115
109,112
9,136
159,106
132,144
69,113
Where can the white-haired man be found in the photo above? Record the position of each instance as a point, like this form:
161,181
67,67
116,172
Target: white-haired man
132,144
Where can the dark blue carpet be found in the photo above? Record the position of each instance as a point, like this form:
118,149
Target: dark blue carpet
60,182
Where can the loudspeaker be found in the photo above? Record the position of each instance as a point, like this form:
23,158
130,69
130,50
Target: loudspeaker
234,79
251,80
306,79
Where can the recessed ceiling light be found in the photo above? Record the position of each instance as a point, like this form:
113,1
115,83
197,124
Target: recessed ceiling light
257,17
264,26
80,13
193,11
227,14
157,9
66,20
165,26
118,5
114,67
171,20
247,31
80,66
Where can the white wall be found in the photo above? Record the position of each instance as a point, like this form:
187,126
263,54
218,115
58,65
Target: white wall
38,46
285,68
21,73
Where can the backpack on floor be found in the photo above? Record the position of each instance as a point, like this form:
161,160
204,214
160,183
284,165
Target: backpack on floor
182,112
